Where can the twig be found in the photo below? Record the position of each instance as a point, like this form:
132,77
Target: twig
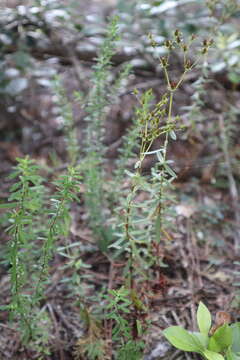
61,353
177,352
63,319
176,318
191,272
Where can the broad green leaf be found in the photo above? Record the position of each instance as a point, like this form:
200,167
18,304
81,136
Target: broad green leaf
221,339
203,338
236,337
214,345
203,319
182,339
211,355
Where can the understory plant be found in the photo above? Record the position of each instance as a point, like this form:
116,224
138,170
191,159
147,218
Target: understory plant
217,342
145,209
127,312
142,216
103,92
37,220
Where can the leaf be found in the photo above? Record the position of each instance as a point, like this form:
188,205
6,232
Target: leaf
221,339
203,319
9,205
203,338
236,337
173,135
169,170
153,152
218,66
213,345
211,355
182,339
232,356
160,157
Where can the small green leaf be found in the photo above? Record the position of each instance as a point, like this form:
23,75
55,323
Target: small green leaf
211,355
173,135
9,205
169,170
203,319
182,339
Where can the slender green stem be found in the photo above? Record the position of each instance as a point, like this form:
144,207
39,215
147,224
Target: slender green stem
47,247
167,77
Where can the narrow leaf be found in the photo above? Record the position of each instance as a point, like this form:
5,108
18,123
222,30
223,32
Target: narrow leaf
203,338
9,205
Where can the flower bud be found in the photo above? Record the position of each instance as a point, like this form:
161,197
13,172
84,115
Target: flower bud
178,40
163,61
176,33
188,64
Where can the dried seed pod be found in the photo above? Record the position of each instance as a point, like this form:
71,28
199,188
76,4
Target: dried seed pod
168,44
205,42
164,62
188,64
178,40
177,33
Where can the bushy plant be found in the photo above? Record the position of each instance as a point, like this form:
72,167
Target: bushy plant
101,95
36,222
